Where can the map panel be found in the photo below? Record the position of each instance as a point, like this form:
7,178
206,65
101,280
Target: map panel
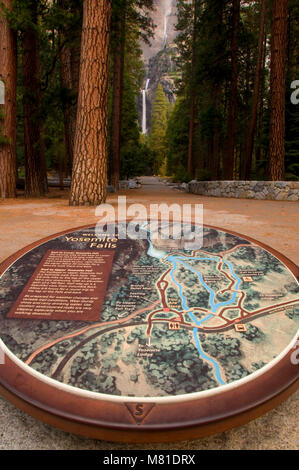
146,317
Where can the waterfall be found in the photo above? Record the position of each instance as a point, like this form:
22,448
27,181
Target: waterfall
167,13
2,92
165,31
143,112
144,126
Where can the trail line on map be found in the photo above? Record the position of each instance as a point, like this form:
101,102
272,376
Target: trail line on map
80,332
252,314
73,351
162,285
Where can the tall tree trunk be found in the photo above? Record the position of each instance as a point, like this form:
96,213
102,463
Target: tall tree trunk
117,100
191,134
75,72
8,75
218,90
35,165
66,83
69,62
278,88
256,92
216,135
89,179
193,93
199,159
75,66
233,104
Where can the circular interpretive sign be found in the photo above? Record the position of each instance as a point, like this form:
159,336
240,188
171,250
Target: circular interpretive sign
148,339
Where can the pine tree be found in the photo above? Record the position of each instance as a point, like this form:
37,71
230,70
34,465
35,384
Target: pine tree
292,110
8,76
257,90
129,19
119,17
233,101
278,88
195,15
89,178
69,41
35,163
158,127
177,140
136,158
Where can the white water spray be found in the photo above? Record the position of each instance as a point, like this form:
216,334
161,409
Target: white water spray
167,13
144,123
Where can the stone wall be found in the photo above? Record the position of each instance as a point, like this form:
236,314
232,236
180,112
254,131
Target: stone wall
275,190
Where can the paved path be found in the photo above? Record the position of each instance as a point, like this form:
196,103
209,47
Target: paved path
275,223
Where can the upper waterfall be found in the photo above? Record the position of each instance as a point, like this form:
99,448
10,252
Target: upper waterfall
165,18
158,59
167,13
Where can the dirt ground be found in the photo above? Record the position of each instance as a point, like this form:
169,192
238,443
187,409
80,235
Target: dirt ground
275,223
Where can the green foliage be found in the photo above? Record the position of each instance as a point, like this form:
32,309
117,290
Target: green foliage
54,19
130,23
177,140
136,16
58,25
253,334
203,72
205,68
203,175
158,127
3,139
292,141
136,157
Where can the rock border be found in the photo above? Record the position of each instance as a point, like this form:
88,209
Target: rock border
271,190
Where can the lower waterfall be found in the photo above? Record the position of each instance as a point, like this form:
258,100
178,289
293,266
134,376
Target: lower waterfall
144,123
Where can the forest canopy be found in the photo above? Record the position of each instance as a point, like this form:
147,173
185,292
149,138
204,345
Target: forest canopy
235,67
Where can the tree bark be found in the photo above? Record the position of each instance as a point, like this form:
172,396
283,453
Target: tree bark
233,103
191,135
192,86
277,90
75,72
258,153
8,75
70,108
216,136
89,179
75,66
256,92
35,165
217,89
117,100
69,62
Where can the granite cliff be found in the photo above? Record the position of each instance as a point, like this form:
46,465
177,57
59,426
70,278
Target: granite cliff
159,59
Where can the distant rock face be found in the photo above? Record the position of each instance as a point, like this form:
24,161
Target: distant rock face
161,69
159,59
165,18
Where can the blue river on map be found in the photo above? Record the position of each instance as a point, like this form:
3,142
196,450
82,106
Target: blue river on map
175,260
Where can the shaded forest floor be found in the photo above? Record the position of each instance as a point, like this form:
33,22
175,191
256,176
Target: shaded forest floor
275,223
